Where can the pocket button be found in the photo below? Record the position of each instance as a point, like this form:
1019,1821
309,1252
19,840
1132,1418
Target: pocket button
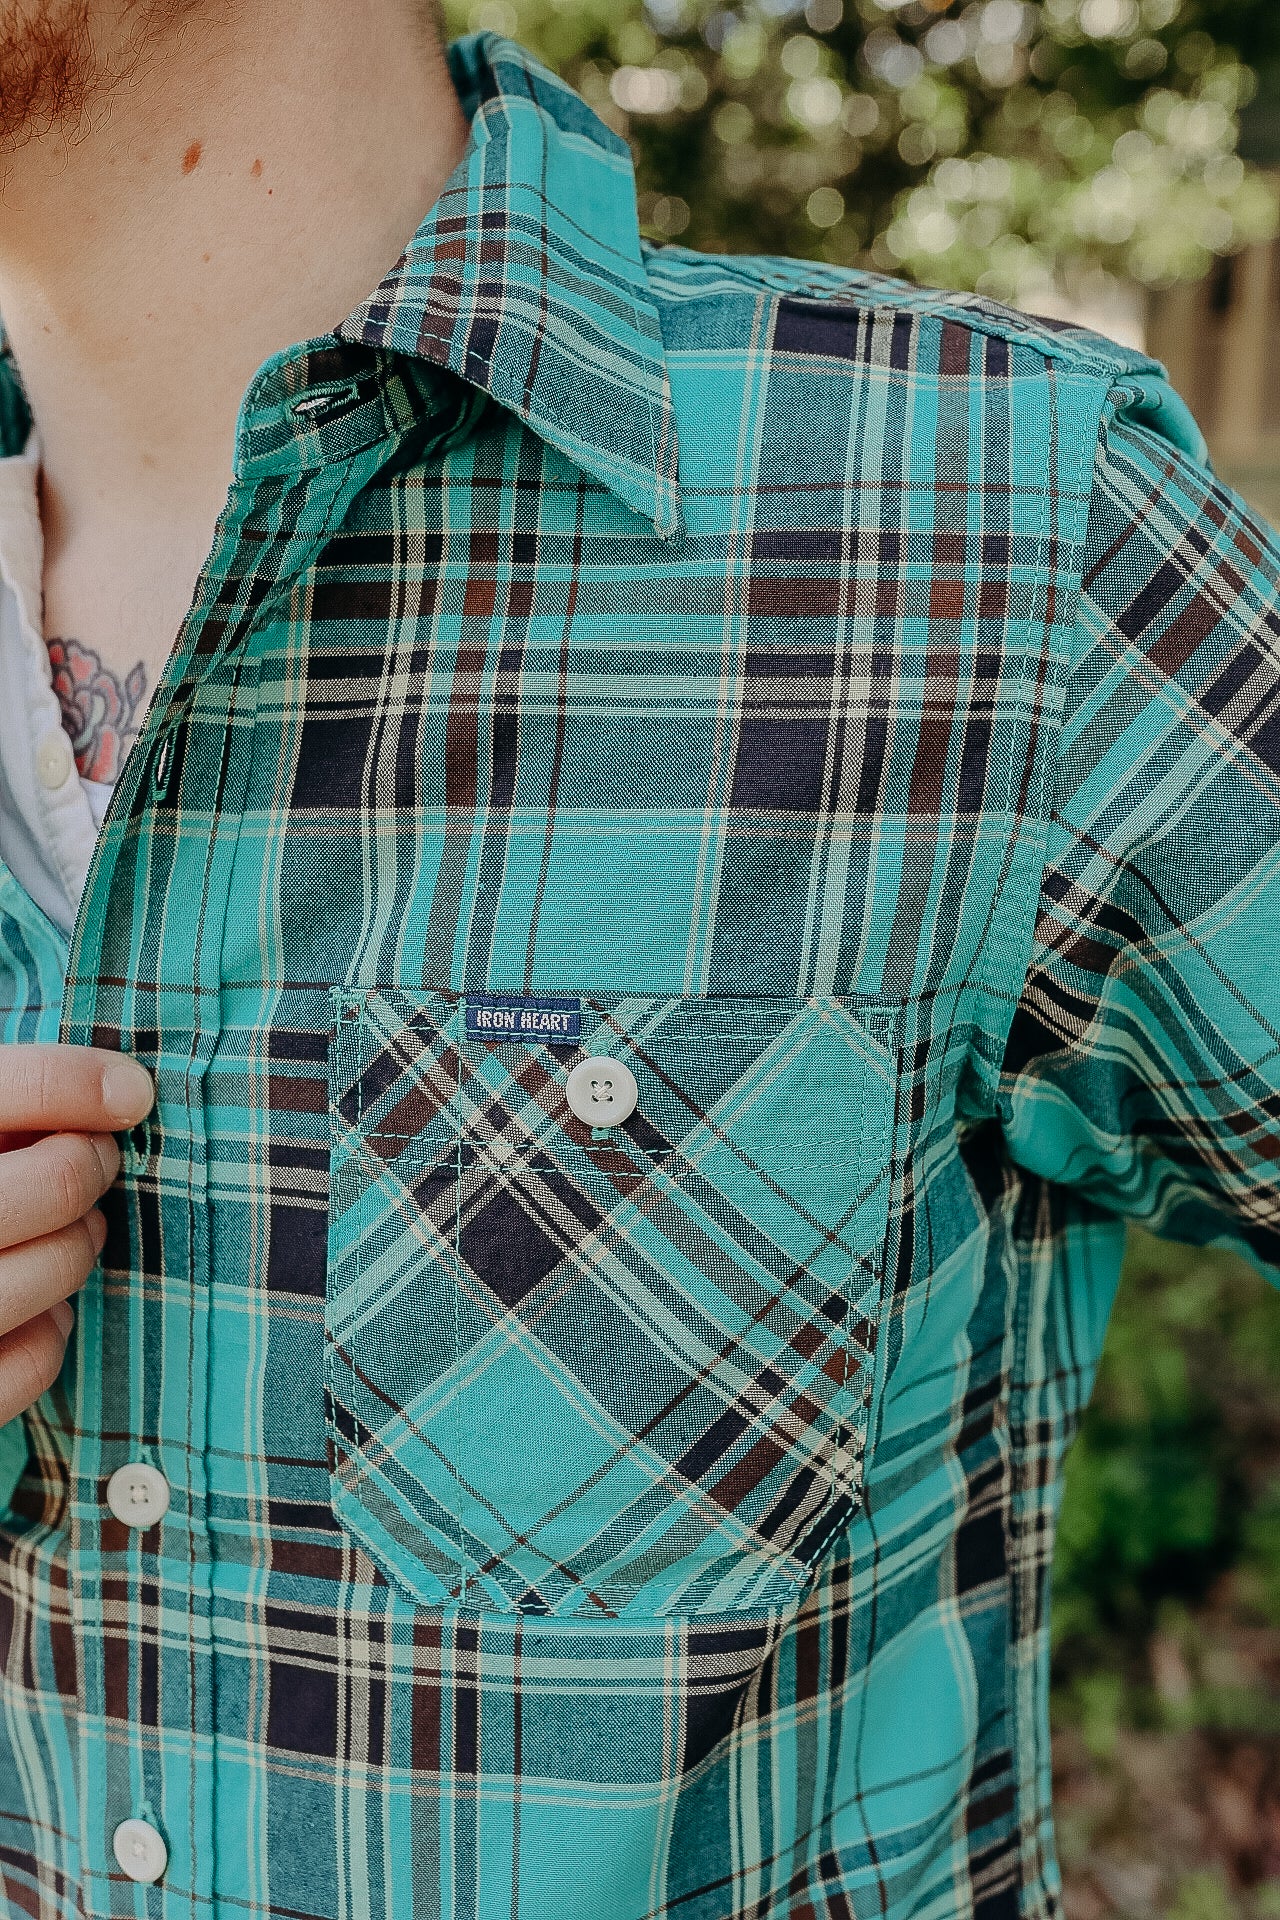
601,1093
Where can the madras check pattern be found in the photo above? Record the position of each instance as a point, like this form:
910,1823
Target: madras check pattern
859,705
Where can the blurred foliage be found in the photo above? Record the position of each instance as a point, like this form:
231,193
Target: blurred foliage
1175,1477
990,144
1167,1603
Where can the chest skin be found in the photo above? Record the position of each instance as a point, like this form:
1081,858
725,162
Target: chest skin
115,598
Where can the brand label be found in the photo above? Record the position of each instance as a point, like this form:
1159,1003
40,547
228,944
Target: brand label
500,1016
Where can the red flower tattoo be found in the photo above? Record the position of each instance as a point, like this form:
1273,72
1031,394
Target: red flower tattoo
98,709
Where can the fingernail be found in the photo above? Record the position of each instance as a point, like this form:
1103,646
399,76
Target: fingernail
97,1227
64,1317
107,1148
128,1091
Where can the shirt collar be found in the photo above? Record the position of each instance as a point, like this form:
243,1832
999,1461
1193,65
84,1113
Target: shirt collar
526,279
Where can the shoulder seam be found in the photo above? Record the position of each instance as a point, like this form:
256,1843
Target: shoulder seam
967,310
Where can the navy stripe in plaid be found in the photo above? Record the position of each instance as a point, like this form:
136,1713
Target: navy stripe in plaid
860,704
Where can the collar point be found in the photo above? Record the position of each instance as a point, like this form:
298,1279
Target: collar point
668,521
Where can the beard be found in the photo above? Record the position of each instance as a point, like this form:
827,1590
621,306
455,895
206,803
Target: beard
57,57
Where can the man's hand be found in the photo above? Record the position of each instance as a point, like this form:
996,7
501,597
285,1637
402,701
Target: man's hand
59,1107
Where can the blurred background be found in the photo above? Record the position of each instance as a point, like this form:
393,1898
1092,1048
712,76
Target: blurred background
1116,161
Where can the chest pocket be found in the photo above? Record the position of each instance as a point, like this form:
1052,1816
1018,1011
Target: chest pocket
587,1372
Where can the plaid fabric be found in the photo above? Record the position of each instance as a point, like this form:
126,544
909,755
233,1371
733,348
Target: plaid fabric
854,710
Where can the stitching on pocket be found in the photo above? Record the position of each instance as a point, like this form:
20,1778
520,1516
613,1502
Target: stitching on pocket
375,1170
362,1475
887,1025
518,1160
433,1156
877,1025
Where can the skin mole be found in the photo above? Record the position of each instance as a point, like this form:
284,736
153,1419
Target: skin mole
191,158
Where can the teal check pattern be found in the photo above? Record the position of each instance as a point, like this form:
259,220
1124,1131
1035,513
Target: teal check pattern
855,710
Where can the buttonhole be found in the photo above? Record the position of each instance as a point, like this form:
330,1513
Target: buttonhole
314,406
138,1143
164,761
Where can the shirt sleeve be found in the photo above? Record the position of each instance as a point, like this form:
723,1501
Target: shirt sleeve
1143,1062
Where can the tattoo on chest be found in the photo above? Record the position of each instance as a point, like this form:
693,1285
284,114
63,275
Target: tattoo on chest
100,711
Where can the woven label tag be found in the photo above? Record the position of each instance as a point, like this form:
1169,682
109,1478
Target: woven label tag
500,1016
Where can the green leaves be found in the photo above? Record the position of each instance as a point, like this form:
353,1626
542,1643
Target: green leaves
1166,1600
1013,148
1173,1480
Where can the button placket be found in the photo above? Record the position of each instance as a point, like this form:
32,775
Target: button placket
198,689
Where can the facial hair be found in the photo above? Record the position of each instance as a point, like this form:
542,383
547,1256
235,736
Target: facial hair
52,63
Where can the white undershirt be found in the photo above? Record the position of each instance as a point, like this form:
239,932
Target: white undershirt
49,816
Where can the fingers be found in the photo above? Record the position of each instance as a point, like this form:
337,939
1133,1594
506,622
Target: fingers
59,1107
31,1359
52,1088
36,1276
53,1182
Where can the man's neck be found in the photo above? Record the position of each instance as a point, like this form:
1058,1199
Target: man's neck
243,190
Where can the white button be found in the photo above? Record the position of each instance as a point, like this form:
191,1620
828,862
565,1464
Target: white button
141,1852
54,759
138,1495
602,1093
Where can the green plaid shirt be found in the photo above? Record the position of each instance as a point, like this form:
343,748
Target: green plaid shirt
854,712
